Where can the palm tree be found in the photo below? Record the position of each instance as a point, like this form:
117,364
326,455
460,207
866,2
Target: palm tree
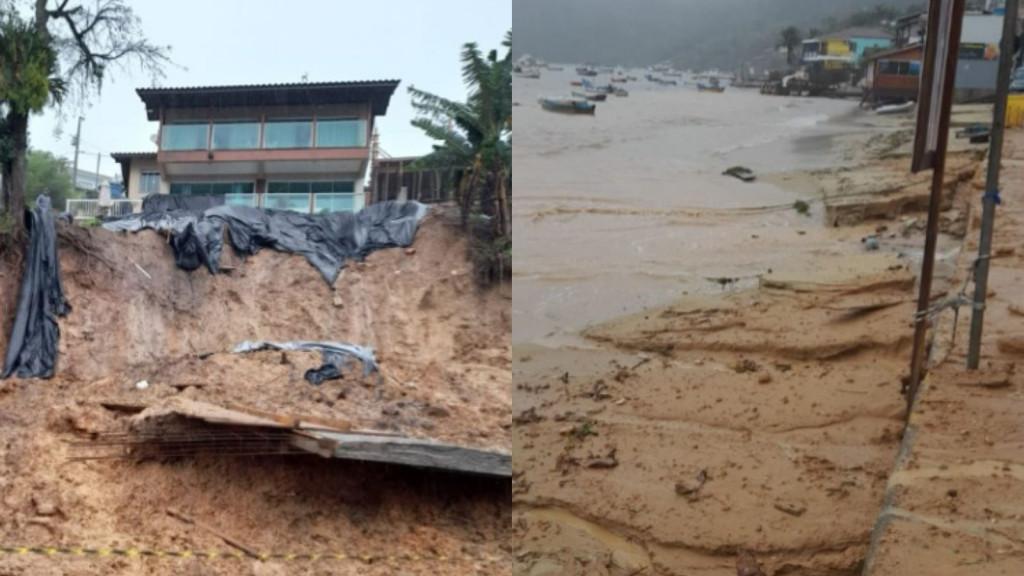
28,81
474,137
789,38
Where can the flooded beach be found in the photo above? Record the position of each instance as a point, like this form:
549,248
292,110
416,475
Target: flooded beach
705,365
635,201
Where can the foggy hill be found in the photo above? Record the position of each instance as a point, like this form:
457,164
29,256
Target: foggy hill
692,33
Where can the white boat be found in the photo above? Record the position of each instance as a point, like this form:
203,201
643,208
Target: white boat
532,73
895,108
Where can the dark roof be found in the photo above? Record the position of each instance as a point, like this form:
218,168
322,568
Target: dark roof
889,53
860,32
119,156
376,92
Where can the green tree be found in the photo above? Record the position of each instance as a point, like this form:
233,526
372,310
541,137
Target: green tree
789,38
475,137
47,174
66,49
28,66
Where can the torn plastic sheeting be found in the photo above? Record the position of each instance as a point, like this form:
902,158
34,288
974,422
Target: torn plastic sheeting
32,347
327,241
335,354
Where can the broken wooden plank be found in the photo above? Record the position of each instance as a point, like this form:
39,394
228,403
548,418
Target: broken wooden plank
408,451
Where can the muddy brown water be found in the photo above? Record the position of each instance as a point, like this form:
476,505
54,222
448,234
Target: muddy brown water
628,209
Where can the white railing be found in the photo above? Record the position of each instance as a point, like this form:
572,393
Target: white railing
91,208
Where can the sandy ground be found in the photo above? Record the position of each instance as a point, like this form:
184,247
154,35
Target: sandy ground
761,419
955,503
443,348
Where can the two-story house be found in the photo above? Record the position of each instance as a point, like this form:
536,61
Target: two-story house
303,147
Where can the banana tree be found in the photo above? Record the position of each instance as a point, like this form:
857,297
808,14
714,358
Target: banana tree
474,138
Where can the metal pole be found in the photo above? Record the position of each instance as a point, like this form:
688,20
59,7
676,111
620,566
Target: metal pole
98,155
934,205
991,198
78,140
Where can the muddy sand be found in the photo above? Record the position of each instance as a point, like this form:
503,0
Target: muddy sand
761,420
443,348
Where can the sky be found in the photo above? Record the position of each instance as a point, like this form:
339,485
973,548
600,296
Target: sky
217,42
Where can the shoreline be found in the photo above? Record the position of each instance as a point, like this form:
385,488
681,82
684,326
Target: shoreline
783,391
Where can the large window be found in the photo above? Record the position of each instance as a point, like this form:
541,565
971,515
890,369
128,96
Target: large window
236,135
326,196
350,133
899,67
149,183
211,188
288,134
184,136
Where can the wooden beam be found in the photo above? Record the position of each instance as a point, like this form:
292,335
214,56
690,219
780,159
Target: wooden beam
408,451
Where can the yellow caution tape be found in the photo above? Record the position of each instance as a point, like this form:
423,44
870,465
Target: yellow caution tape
137,552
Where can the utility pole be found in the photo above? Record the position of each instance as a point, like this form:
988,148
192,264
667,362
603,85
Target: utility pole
78,140
98,155
991,198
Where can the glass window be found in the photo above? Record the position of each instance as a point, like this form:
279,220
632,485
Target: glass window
334,203
340,133
211,188
236,135
149,183
288,134
287,201
184,136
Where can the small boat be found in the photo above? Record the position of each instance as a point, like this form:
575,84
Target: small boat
744,174
567,105
592,96
576,83
621,92
895,108
620,79
668,83
586,71
978,133
632,78
712,86
530,73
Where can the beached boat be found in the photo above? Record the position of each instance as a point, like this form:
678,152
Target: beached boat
567,105
592,96
576,83
743,173
708,88
895,108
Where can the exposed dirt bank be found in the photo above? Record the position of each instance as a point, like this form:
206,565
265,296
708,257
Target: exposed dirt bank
443,347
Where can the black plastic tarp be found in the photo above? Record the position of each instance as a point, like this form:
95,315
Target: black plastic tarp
327,241
336,357
32,348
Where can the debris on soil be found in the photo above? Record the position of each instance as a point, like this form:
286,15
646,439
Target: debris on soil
791,508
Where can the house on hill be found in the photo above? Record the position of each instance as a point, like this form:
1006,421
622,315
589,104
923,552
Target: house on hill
302,147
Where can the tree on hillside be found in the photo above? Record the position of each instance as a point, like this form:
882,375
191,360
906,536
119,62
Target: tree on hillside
66,49
47,174
789,38
28,81
475,138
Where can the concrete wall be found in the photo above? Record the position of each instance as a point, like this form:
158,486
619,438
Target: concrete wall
138,166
